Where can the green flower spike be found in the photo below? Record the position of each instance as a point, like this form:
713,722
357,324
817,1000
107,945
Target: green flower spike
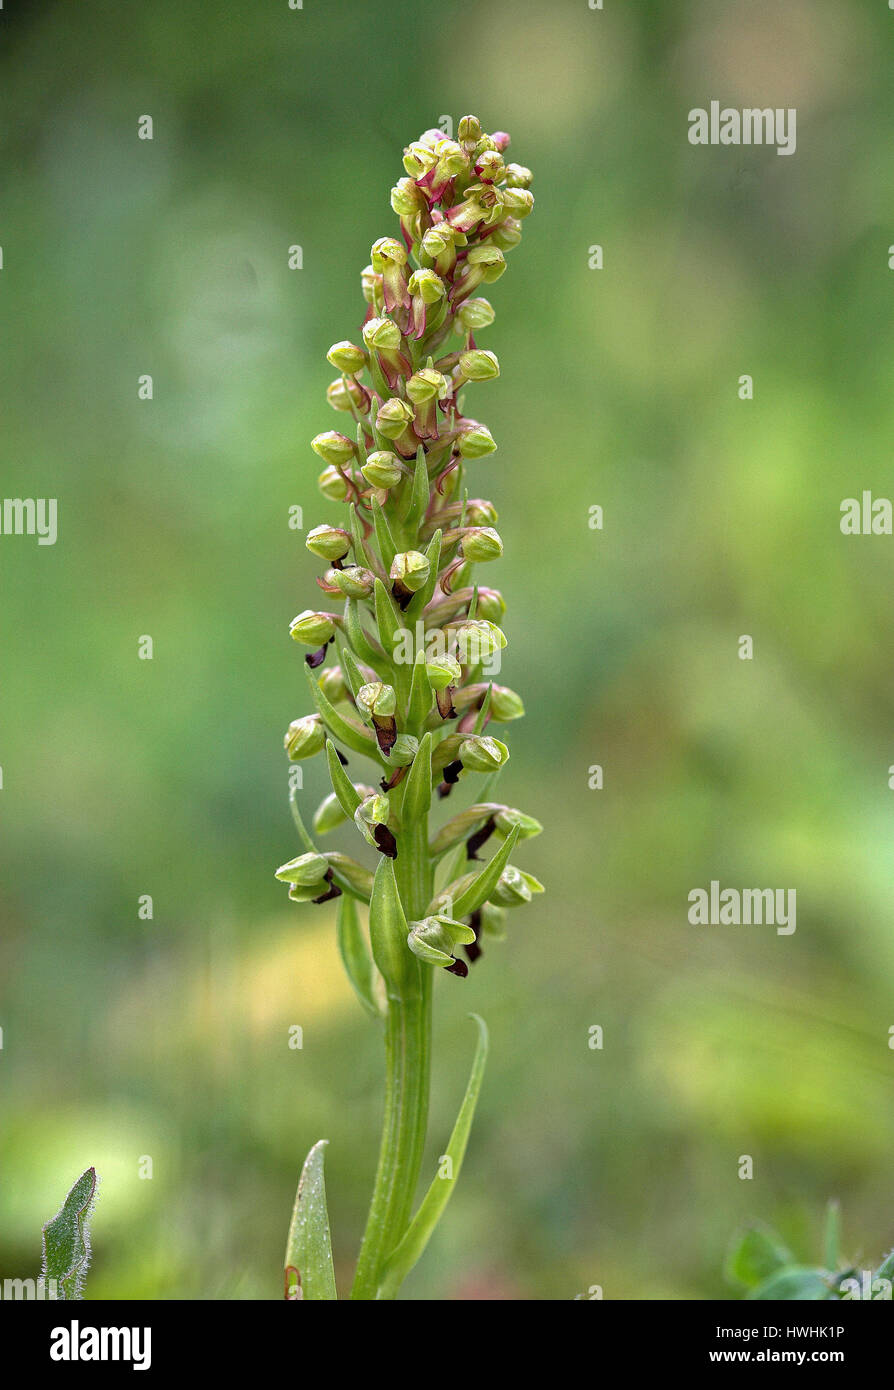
398,672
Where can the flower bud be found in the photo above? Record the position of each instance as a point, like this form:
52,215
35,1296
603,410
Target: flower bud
329,815
353,581
518,202
476,441
481,753
347,357
313,629
382,469
476,639
345,394
419,159
332,484
475,314
409,571
427,384
332,680
381,334
329,542
481,512
504,705
334,448
515,888
501,140
443,671
393,417
479,365
376,698
469,131
305,871
481,543
305,737
517,176
491,605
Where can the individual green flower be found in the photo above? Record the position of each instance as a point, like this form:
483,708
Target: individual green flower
515,888
409,572
311,628
333,484
479,365
334,448
480,544
475,440
328,542
434,940
305,737
475,314
347,357
382,469
481,753
394,417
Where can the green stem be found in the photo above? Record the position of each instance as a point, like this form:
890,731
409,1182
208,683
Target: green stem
408,1069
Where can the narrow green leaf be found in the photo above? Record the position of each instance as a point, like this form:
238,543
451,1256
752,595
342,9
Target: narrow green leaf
387,620
417,795
483,712
886,1268
418,602
795,1283
309,1272
357,635
346,730
384,538
355,955
66,1240
486,881
417,503
754,1255
388,932
439,1193
348,796
421,697
362,553
353,674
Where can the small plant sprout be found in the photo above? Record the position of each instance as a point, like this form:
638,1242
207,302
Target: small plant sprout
761,1265
400,667
66,1241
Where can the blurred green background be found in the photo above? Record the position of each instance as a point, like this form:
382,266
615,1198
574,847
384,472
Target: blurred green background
124,1038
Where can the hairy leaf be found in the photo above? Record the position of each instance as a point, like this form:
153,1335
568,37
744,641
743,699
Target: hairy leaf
66,1239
